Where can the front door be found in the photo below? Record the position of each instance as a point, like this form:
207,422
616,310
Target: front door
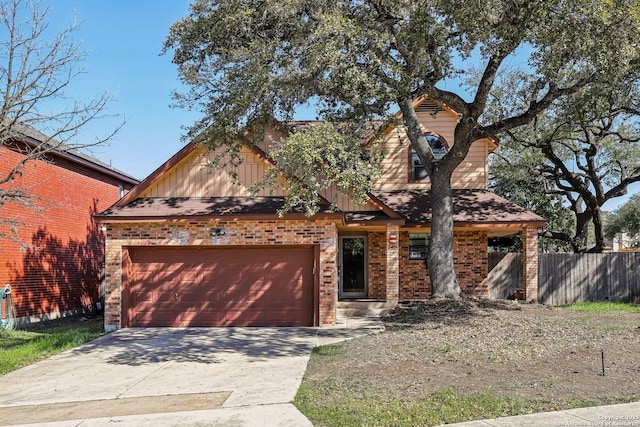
353,267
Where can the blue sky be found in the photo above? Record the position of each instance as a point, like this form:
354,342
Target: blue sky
123,39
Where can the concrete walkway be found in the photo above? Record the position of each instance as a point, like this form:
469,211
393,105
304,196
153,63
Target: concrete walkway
612,415
172,377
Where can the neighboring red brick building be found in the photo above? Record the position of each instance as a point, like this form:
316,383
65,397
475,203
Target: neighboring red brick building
51,250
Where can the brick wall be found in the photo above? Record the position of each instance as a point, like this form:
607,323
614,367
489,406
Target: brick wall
392,238
470,258
321,233
377,273
530,262
53,260
471,262
414,278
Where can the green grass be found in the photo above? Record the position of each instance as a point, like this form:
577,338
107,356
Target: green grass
331,396
23,347
327,404
328,352
444,406
604,307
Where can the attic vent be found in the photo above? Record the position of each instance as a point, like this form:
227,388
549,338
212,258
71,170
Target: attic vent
428,106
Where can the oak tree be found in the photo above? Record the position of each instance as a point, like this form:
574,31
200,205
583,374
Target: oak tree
513,175
585,150
625,219
247,62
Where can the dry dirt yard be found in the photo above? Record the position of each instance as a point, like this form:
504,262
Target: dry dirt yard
501,347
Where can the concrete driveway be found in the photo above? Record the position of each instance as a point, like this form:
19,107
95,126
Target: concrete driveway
162,377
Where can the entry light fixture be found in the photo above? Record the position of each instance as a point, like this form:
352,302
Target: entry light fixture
216,232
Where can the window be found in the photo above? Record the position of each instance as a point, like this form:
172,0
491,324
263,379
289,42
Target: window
417,171
418,245
439,149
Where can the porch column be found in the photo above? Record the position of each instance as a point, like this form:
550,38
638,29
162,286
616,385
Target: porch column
530,263
393,262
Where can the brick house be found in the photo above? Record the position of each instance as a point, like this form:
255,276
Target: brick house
187,247
53,257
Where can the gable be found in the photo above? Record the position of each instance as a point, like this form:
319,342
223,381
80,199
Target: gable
439,121
194,177
189,174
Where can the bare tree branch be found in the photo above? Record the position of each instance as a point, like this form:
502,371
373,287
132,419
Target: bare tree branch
39,115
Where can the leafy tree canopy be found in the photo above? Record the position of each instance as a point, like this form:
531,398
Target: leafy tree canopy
512,175
248,61
584,151
626,219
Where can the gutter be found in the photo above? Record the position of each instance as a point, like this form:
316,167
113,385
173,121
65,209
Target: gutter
104,169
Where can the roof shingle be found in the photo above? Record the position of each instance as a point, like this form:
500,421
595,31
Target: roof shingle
469,207
162,207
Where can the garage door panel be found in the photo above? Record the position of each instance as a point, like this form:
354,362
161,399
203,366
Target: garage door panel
140,297
220,286
194,297
199,318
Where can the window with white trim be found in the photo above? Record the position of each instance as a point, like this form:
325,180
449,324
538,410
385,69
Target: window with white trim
418,245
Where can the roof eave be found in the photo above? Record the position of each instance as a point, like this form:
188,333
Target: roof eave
385,208
484,224
149,180
375,222
107,219
114,173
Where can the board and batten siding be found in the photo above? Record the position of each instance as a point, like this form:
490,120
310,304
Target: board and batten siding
471,173
345,204
194,178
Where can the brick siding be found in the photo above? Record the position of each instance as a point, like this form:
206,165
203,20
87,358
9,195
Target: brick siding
470,254
393,264
377,273
530,261
321,233
470,258
53,261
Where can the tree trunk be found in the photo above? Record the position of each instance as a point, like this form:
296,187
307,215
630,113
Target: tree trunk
598,230
444,283
440,260
580,240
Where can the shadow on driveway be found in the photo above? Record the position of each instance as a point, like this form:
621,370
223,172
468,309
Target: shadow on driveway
140,346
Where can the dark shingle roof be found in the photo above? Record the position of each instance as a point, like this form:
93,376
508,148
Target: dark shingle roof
35,138
162,207
414,206
469,206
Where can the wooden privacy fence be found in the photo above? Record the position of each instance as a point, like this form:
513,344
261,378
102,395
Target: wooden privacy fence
568,278
505,274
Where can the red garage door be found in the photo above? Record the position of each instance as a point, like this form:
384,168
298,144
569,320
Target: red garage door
257,286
